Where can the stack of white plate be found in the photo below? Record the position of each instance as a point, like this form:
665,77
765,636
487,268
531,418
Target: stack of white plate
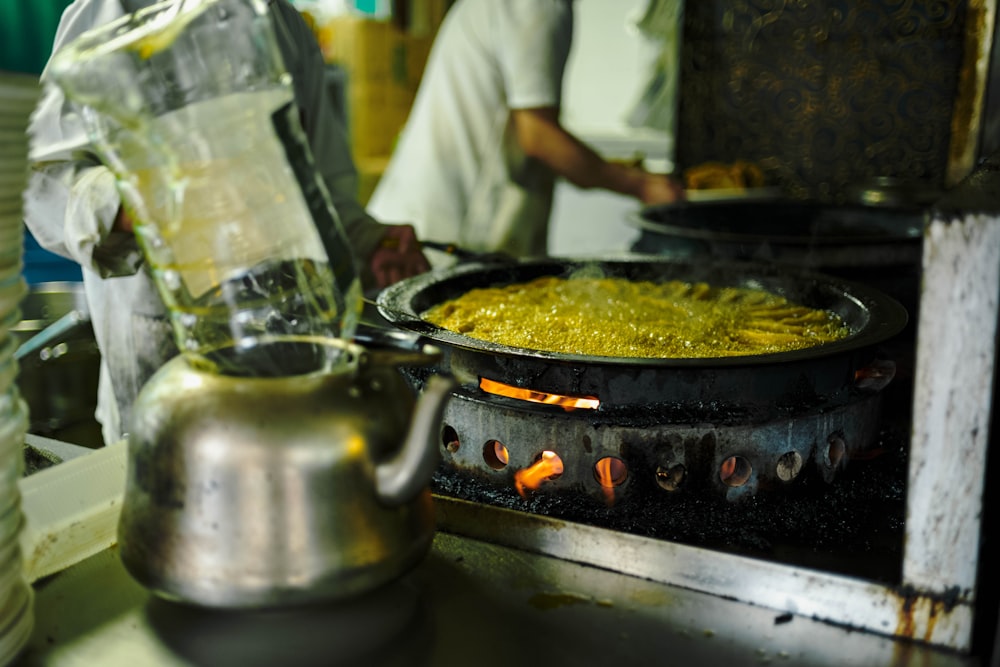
18,94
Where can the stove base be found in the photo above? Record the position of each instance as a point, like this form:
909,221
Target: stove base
495,438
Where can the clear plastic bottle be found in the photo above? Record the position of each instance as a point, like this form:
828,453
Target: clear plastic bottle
190,105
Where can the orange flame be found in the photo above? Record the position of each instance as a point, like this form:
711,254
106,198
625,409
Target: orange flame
610,473
501,453
565,402
604,476
547,466
728,468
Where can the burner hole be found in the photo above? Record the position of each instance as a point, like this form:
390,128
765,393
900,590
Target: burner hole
789,466
496,455
671,478
610,472
449,438
735,471
835,451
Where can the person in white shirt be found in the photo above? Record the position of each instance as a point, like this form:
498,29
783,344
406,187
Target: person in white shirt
73,208
476,162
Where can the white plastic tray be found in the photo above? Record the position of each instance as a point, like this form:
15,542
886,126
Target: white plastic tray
71,510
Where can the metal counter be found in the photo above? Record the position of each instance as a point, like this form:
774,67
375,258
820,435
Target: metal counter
468,602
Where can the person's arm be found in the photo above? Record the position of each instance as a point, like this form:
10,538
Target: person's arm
385,253
541,136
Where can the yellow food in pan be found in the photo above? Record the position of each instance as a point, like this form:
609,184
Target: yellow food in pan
615,317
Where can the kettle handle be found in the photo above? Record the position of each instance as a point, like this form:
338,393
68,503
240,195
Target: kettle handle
400,479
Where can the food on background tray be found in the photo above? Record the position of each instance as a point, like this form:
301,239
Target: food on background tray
616,317
737,175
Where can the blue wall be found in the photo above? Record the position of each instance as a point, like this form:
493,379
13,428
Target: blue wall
42,266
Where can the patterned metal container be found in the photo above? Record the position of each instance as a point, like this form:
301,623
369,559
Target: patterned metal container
826,95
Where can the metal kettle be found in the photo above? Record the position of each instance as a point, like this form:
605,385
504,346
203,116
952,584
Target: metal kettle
250,492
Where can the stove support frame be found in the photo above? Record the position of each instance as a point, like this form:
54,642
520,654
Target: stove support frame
954,379
952,400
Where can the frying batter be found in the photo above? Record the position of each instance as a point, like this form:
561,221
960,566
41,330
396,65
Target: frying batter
615,317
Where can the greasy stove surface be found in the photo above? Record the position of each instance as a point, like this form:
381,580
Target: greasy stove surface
468,603
852,526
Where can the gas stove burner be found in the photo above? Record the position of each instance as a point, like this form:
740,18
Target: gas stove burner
540,448
608,427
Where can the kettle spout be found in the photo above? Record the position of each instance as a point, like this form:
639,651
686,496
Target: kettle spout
401,478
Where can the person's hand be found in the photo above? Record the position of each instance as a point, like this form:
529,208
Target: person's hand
397,256
660,189
123,221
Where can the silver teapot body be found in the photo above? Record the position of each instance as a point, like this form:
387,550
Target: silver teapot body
248,492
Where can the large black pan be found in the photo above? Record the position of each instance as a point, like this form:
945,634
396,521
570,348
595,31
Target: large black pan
879,246
786,378
787,226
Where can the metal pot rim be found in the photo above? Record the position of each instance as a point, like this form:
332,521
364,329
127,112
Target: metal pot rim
403,303
73,292
817,225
